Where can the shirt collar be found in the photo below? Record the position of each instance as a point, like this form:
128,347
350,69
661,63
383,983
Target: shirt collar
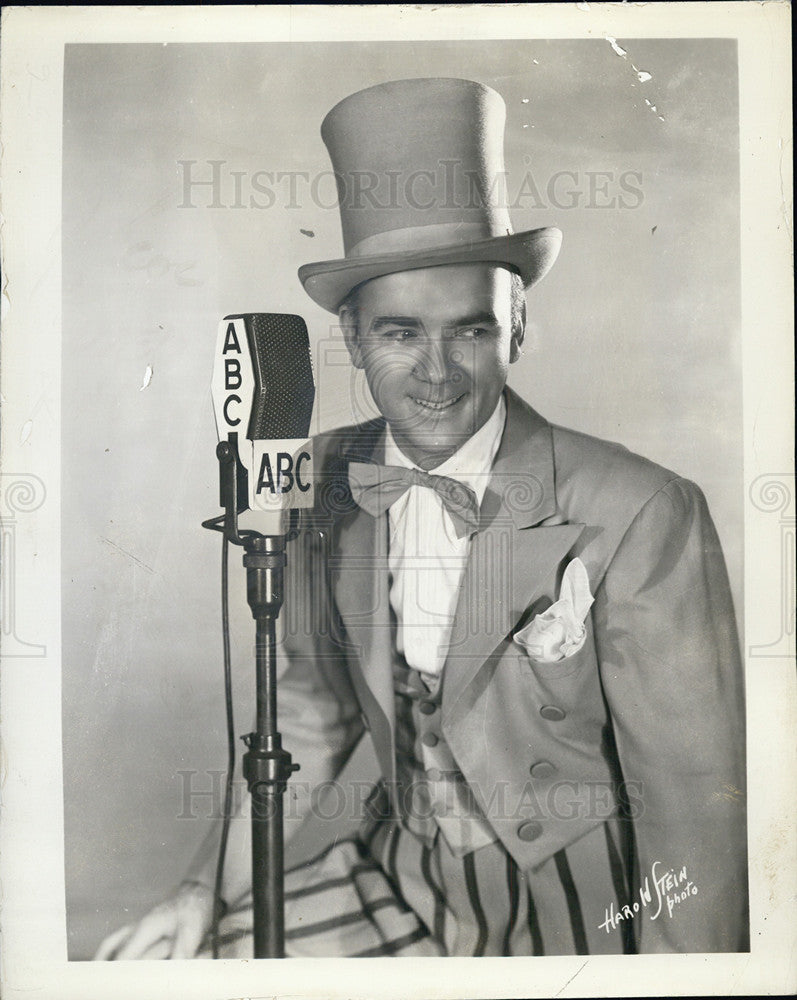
471,464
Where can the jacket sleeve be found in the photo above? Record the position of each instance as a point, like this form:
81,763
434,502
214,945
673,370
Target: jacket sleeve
319,715
673,682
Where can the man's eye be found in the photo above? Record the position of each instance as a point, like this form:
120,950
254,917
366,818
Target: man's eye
471,332
399,333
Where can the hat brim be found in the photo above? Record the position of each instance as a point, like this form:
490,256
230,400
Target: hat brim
531,254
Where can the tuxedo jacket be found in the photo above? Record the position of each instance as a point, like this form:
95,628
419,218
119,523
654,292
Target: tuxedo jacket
644,722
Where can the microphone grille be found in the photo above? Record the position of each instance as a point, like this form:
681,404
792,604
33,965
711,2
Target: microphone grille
284,395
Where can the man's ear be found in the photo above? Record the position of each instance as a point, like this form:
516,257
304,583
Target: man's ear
518,330
348,324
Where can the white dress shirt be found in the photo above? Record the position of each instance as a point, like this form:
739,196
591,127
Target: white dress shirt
426,558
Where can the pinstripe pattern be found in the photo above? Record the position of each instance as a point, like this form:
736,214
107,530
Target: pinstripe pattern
533,922
573,902
438,923
621,887
393,947
389,893
513,891
476,903
392,868
369,909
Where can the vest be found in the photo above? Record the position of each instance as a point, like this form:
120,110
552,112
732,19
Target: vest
432,794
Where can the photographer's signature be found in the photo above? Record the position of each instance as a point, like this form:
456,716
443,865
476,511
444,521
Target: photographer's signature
669,889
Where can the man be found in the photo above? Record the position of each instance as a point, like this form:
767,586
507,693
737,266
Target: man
535,626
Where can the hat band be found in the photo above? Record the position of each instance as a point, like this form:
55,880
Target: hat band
425,238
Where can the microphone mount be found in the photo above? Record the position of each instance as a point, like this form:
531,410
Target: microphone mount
229,488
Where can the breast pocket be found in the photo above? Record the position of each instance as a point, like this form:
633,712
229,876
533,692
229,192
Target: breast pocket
572,683
561,669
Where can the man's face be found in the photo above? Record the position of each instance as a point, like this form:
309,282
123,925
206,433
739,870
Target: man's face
435,344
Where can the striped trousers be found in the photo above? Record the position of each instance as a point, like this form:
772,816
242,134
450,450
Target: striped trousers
386,892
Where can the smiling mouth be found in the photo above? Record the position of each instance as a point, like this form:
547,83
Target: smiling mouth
431,405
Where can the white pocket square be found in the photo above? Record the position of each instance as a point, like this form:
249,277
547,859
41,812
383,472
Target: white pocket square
560,632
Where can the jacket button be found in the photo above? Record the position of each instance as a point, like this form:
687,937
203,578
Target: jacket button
542,769
530,830
552,713
434,774
428,707
429,740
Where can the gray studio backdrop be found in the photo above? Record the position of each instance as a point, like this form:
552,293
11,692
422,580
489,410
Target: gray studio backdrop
634,336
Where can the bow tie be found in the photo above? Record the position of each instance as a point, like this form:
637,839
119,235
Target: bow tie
377,487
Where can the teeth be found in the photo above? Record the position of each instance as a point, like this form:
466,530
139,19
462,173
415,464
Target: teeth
437,406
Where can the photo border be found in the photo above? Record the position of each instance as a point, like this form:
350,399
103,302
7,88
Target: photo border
31,836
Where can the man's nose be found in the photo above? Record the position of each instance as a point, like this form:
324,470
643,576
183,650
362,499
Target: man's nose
435,362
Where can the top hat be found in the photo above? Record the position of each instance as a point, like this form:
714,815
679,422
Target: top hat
419,166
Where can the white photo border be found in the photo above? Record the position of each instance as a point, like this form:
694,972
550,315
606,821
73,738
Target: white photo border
33,917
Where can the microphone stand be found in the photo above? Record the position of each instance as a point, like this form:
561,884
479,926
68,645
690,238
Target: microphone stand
266,765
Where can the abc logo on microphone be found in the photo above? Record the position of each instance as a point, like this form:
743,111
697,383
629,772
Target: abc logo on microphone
282,474
263,393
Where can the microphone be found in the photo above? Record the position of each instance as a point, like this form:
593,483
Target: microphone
263,394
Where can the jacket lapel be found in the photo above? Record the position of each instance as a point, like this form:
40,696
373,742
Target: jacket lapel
514,558
360,581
